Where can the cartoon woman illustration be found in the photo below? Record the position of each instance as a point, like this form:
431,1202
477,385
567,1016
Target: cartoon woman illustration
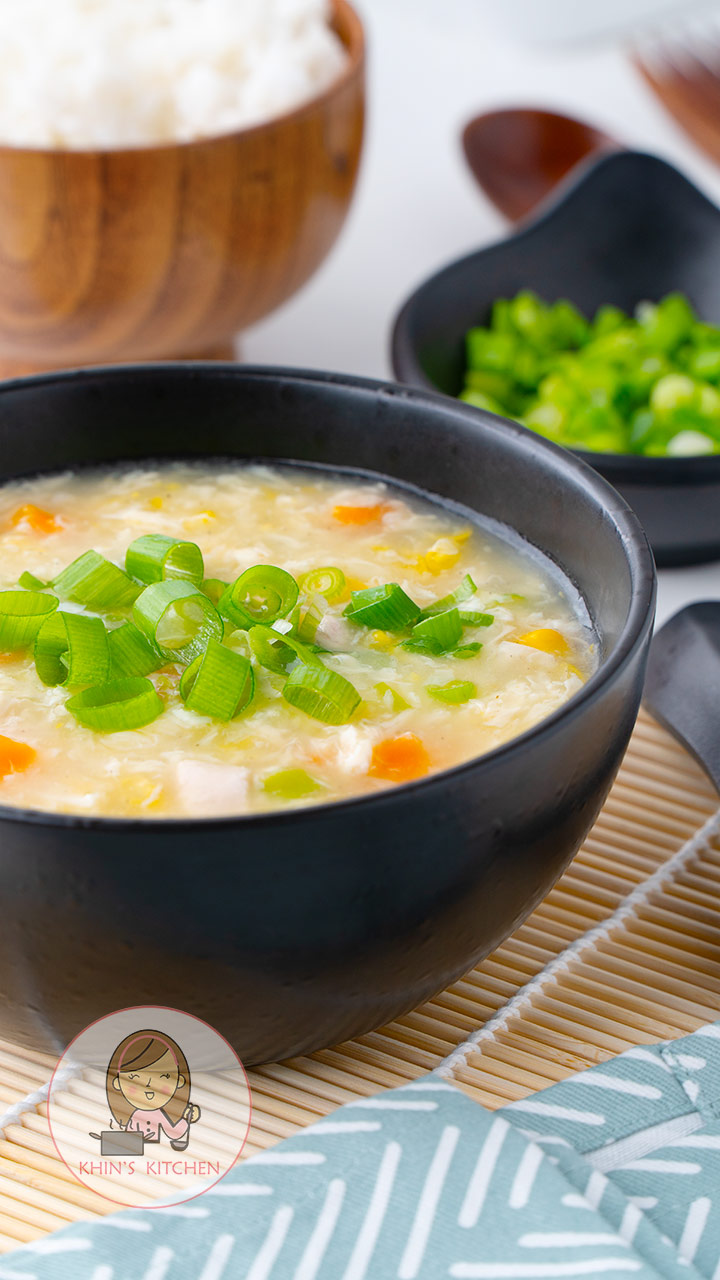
148,1088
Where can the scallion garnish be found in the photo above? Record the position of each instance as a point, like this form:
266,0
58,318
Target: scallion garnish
29,582
431,648
291,784
22,613
385,691
306,618
260,596
72,649
464,591
501,600
96,583
455,692
323,694
220,683
117,706
444,629
328,582
388,608
131,654
213,588
277,653
177,618
471,618
466,650
156,558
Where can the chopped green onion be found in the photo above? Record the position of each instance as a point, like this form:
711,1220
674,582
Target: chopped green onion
455,692
219,683
177,618
444,629
131,654
432,648
306,618
260,595
328,582
466,589
117,706
22,613
471,618
156,558
213,588
291,784
30,583
466,650
277,653
72,649
614,384
388,608
96,583
386,691
323,694
238,641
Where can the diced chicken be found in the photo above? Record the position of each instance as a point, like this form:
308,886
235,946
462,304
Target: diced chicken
336,634
208,790
347,750
353,750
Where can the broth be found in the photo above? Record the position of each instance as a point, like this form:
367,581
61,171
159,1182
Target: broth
419,711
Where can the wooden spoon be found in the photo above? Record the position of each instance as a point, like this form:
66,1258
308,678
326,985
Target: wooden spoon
519,154
687,82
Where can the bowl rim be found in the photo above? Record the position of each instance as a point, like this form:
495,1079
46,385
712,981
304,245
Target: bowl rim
620,467
635,630
355,46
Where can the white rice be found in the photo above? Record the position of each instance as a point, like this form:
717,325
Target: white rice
112,73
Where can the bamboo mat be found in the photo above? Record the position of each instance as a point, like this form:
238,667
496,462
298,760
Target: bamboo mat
624,951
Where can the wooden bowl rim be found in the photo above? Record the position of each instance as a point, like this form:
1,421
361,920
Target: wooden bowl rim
346,23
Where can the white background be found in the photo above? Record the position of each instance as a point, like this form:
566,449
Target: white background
433,65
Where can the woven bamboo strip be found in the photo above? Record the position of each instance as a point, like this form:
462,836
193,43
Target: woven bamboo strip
617,986
609,999
22,1232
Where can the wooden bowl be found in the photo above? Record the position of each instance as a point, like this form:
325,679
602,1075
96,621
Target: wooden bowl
167,251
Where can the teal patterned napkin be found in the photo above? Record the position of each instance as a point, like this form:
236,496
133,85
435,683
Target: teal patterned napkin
615,1171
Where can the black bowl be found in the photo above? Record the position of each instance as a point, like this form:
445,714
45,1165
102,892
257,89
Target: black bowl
630,228
296,930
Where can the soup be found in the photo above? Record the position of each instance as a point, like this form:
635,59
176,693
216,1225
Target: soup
234,639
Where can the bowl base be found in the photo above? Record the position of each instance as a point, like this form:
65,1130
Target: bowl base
227,351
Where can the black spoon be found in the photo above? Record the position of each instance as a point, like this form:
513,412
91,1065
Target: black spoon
682,689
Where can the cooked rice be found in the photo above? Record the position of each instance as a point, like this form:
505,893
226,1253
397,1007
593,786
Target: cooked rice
113,73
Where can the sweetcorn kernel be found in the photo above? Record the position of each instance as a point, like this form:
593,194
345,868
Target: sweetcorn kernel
391,556
140,792
546,639
382,640
351,584
443,554
202,517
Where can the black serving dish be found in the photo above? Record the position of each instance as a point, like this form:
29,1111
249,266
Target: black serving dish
296,930
631,227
